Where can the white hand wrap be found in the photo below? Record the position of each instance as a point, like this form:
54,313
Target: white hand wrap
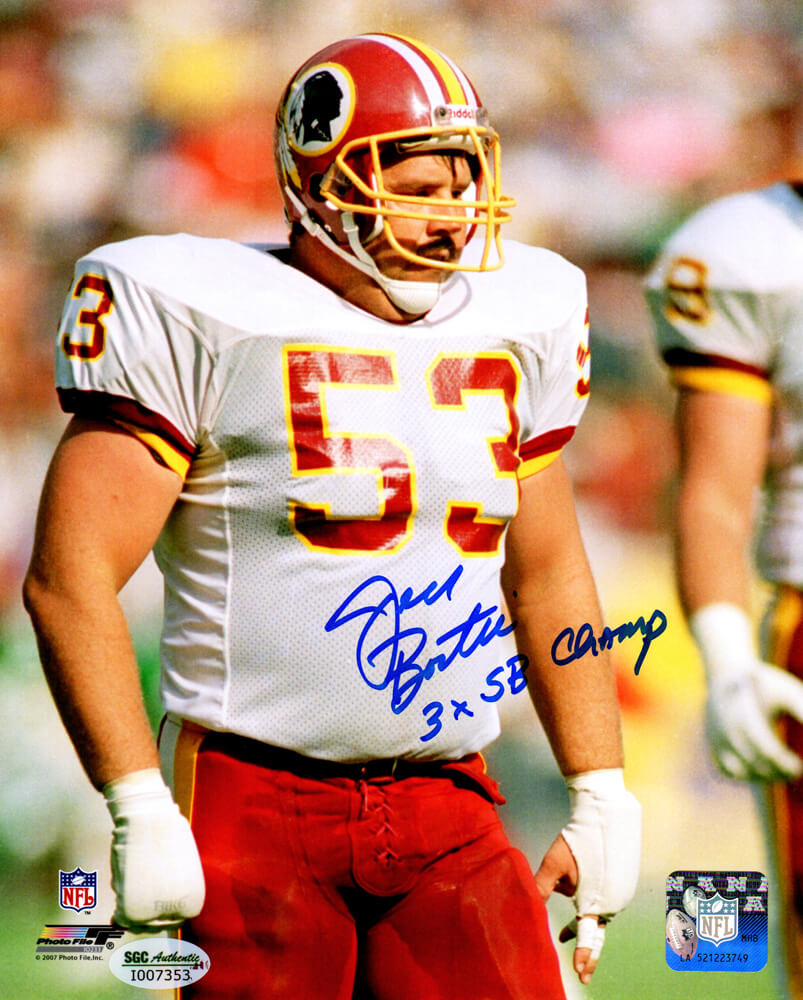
156,870
604,835
744,697
591,935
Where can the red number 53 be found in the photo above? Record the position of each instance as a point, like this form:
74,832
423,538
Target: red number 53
318,450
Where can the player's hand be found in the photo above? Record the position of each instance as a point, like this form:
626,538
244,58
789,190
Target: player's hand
595,859
740,712
745,696
156,871
558,873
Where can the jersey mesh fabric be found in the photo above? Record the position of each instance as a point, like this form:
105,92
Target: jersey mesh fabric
295,401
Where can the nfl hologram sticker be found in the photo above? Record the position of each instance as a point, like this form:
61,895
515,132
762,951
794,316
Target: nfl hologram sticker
716,921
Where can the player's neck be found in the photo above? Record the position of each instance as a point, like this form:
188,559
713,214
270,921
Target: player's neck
311,257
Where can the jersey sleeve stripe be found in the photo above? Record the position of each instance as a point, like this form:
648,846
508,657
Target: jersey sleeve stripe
680,357
550,441
530,468
725,381
149,426
715,373
540,451
172,459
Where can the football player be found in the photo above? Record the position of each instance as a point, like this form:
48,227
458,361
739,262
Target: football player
726,296
337,448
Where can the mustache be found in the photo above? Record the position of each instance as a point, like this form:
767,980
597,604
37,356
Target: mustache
442,248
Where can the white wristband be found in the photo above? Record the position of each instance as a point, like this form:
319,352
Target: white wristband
138,787
149,780
605,783
723,633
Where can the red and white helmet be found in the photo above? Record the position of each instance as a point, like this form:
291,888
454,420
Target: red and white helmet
347,104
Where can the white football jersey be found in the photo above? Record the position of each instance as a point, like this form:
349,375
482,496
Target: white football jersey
332,565
726,296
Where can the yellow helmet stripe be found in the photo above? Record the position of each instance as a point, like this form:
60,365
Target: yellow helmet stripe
458,89
446,70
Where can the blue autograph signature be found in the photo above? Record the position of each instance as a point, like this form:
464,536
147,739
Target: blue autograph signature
391,656
586,642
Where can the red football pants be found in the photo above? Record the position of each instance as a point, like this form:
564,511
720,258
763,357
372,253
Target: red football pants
338,888
784,801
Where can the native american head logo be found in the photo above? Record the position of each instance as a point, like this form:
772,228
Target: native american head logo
319,109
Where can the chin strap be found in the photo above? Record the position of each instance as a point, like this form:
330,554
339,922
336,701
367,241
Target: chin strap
412,297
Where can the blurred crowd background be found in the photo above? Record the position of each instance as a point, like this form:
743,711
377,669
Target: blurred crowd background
119,117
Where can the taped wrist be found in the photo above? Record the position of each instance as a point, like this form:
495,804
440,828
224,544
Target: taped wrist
604,835
607,782
137,792
156,869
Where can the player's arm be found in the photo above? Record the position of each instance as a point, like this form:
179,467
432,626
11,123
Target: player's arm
548,587
103,505
724,439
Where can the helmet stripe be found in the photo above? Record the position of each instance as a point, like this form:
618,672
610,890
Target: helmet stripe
440,77
456,84
435,88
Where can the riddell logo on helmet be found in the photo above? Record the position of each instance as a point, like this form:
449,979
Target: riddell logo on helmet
451,114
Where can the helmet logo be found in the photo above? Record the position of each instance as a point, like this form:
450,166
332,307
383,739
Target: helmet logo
319,109
447,115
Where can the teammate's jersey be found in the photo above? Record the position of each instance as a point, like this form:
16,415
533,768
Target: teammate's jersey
727,299
331,566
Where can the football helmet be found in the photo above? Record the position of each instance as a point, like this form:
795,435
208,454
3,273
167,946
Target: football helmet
375,94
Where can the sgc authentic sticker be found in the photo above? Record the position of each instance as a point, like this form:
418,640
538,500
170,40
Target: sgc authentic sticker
716,921
159,963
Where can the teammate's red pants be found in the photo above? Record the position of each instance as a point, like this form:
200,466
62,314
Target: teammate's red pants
785,800
383,887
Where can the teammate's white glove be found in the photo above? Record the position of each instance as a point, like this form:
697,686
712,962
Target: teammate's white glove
604,835
156,870
745,696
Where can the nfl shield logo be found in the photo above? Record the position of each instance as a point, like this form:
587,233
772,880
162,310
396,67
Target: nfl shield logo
717,919
78,890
